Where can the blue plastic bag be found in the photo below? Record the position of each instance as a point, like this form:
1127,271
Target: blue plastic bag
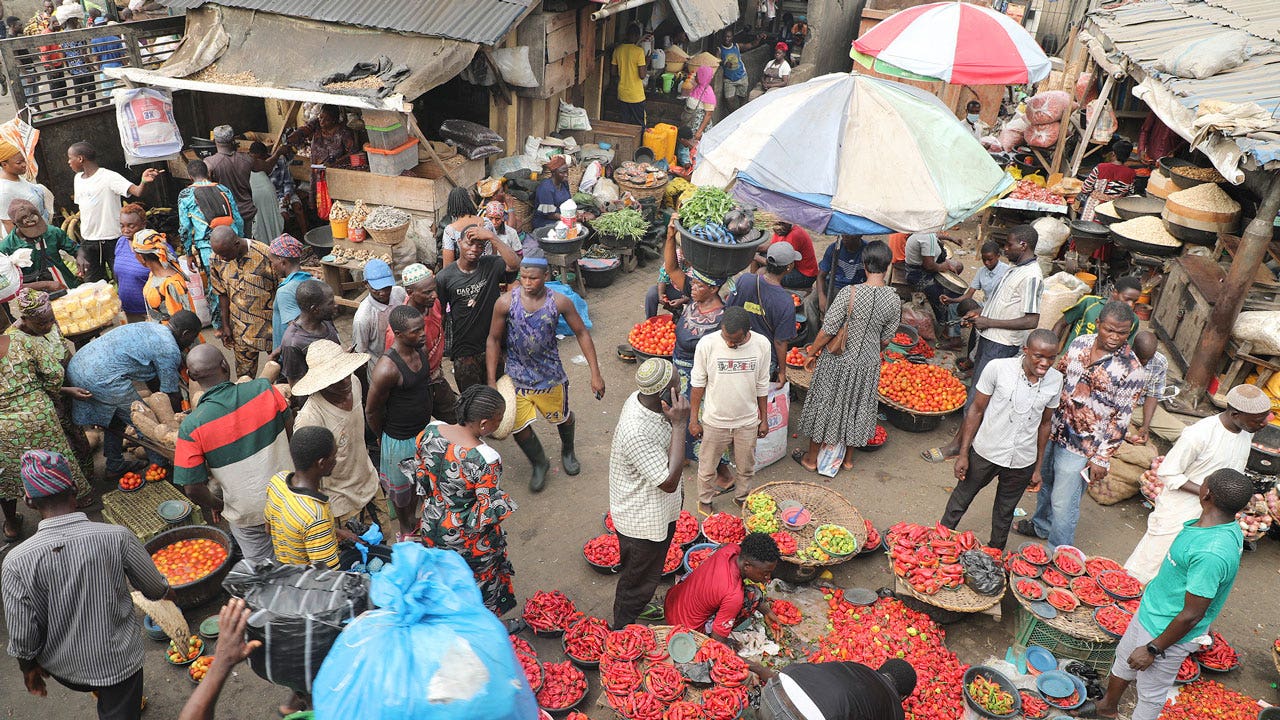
431,651
562,328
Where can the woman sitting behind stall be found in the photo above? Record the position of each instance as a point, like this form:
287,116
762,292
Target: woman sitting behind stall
844,395
551,193
463,214
458,476
165,291
1110,180
131,275
47,271
329,139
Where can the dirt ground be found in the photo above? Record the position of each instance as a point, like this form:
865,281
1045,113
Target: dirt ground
546,535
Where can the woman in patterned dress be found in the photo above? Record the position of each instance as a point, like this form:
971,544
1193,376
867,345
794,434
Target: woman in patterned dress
36,321
463,505
30,375
165,291
840,408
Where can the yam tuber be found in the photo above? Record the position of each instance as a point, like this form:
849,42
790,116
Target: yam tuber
161,406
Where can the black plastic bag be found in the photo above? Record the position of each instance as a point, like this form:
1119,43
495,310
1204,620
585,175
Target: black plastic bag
982,573
298,611
465,132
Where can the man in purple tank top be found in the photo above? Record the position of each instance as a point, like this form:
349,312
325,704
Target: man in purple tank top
525,319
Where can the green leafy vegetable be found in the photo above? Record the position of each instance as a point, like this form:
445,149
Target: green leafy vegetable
622,224
706,205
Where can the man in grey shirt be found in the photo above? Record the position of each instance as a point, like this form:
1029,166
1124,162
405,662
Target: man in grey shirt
1005,430
66,596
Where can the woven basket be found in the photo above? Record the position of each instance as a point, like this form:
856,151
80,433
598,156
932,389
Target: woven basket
1078,623
640,192
661,633
799,377
519,214
576,171
164,614
393,236
960,600
826,507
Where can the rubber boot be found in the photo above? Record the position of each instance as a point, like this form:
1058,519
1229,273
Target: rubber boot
532,448
567,458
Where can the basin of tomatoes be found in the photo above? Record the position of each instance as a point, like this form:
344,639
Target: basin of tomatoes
795,358
655,336
187,561
698,556
878,437
186,652
924,388
155,473
199,668
130,481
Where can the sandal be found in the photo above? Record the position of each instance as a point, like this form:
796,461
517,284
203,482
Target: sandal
933,455
721,490
653,612
798,456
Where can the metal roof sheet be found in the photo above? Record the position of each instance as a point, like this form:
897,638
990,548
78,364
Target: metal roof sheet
478,21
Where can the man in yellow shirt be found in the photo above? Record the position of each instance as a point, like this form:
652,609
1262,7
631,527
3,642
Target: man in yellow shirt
302,528
630,69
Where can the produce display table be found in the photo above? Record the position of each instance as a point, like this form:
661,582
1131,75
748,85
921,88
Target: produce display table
566,264
137,510
1070,636
340,280
826,506
1031,206
1078,623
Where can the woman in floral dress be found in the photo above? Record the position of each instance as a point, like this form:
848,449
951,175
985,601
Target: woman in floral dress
29,376
463,505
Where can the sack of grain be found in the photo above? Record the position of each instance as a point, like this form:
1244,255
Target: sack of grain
1260,327
1205,56
1061,291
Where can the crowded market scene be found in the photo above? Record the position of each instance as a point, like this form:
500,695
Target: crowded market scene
640,360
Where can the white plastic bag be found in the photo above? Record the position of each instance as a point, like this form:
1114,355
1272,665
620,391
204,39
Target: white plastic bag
1051,233
10,279
829,459
195,288
148,129
591,176
1205,57
772,447
572,118
1261,327
1107,123
514,65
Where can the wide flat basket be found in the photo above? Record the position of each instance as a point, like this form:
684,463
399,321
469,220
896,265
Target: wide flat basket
962,599
916,421
641,192
826,506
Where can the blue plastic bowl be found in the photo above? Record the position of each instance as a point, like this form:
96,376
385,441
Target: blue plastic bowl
684,564
153,630
1054,684
1042,660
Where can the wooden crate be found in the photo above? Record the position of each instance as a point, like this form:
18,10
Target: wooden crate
552,39
137,510
408,192
625,138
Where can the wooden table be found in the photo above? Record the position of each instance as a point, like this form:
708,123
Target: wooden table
339,279
564,264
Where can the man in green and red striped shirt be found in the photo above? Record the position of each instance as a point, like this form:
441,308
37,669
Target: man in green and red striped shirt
229,447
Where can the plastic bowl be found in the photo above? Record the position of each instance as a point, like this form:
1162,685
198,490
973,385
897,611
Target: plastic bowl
1040,661
998,678
153,630
174,511
833,553
203,647
684,564
796,518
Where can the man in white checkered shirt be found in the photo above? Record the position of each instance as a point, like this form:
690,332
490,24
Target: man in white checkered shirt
645,491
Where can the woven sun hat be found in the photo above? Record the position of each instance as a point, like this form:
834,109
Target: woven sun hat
327,363
508,390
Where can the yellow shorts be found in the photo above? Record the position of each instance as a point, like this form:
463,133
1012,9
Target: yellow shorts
552,404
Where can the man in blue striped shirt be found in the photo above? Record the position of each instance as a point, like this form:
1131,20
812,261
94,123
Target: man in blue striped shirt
66,596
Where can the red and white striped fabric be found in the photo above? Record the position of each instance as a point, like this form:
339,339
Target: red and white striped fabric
958,43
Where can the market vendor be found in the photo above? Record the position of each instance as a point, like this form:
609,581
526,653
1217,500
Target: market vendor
1216,442
47,271
973,119
841,267
802,276
1082,318
551,193
726,589
328,138
109,366
1110,180
925,258
837,691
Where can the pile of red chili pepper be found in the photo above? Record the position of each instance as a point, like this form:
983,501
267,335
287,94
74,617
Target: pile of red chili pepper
727,668
723,703
1068,562
664,681
603,550
1022,568
1029,589
683,710
584,638
888,629
575,715
1087,589
1034,554
1219,656
620,677
1064,703
608,522
1097,565
786,542
1033,708
724,528
1063,599
675,557
532,669
548,611
630,642
1113,618
686,529
786,612
1208,699
923,349
1129,606
638,705
1189,670
873,538
563,685
928,558
1120,584
1053,578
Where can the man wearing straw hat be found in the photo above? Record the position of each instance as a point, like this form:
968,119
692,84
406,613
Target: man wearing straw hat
66,596
334,403
645,492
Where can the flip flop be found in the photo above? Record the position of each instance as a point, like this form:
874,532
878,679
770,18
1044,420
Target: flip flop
652,612
704,513
798,456
626,353
720,490
933,455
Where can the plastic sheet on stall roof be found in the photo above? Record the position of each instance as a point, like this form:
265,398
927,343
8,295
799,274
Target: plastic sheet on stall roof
981,572
383,69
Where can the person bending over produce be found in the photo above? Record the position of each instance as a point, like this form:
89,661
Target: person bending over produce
838,690
726,589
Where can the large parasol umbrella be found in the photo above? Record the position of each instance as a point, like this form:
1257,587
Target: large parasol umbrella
954,42
849,153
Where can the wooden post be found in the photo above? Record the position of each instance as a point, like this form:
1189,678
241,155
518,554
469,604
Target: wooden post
1064,125
422,139
1244,267
288,114
1090,125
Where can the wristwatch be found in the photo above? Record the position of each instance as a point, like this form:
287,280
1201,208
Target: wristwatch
1155,651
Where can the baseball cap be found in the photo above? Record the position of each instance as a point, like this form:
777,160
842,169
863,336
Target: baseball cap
781,253
378,274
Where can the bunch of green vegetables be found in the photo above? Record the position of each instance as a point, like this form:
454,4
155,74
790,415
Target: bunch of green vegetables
705,206
622,224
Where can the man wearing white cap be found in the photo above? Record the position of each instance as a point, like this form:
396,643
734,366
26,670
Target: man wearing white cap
645,492
334,402
1216,442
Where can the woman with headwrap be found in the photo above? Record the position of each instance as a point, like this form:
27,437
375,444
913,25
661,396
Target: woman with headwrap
551,193
36,321
701,103
47,270
13,186
31,377
131,275
165,290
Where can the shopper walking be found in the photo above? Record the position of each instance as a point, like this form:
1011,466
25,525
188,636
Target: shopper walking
730,384
525,321
646,459
844,396
315,322
422,293
242,279
370,326
469,288
285,255
1005,431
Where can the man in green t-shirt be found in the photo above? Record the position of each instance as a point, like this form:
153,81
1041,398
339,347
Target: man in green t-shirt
1182,600
1082,317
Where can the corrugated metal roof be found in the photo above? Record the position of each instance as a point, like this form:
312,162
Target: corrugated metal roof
478,21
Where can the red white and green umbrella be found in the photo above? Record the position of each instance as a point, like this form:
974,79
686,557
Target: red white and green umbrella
954,42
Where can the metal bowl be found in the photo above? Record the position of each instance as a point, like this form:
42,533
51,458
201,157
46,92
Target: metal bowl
1132,207
1145,248
319,237
1207,238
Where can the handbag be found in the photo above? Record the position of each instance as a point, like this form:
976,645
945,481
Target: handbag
835,345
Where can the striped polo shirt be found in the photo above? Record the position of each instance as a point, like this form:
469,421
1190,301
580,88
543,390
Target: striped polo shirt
302,529
235,440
